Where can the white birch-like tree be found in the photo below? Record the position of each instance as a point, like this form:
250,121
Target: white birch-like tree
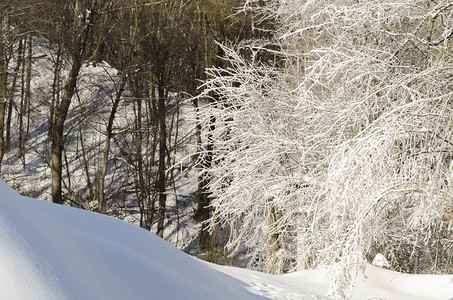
334,139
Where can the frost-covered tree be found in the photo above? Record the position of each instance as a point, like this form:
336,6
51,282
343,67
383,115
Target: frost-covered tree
333,139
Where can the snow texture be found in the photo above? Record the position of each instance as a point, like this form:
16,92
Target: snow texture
380,261
55,252
49,251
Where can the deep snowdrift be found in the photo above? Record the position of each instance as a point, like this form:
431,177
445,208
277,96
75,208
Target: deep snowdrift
50,251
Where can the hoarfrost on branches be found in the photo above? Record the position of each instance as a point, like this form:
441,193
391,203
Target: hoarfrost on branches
340,147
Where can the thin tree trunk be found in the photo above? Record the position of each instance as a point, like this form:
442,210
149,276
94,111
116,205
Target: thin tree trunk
105,165
28,89
55,89
2,122
25,100
273,245
203,206
203,210
3,93
200,212
139,156
84,152
11,97
68,184
161,184
155,123
149,144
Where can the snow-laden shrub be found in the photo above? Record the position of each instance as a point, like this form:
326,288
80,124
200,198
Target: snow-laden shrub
340,146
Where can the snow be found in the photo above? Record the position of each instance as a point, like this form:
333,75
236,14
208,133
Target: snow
55,252
50,251
380,261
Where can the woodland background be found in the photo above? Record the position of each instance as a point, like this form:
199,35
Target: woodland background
278,135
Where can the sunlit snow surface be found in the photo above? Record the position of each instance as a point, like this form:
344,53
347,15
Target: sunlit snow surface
50,251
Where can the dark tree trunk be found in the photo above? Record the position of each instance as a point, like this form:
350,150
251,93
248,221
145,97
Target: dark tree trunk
55,90
203,210
83,31
58,141
11,97
3,96
161,182
25,100
105,165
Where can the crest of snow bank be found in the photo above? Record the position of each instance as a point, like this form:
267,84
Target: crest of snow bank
50,251
23,273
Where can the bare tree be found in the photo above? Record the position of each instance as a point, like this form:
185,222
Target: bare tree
81,15
5,56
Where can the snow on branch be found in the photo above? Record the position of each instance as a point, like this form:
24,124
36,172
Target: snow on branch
342,149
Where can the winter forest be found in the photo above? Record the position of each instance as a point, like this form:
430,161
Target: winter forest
277,135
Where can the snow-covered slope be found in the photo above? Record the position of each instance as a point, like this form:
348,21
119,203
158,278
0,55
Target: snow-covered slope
49,251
